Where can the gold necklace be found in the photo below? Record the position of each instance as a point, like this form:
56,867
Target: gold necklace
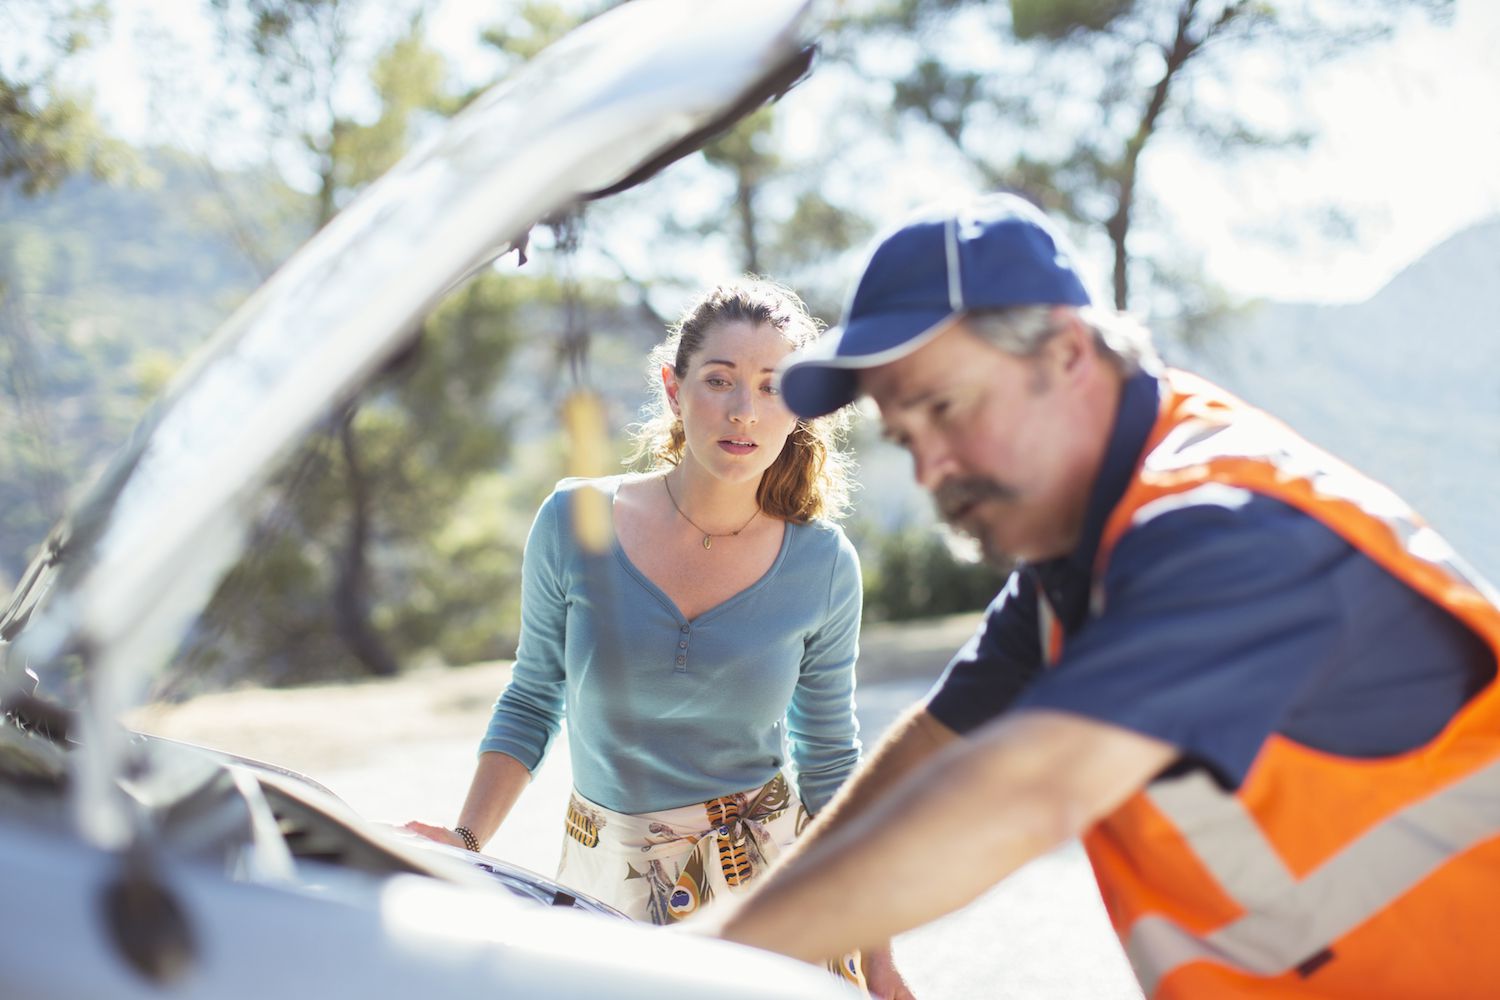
708,536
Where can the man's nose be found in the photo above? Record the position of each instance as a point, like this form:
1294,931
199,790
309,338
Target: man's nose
932,463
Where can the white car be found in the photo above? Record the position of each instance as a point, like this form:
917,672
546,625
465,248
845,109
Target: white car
134,867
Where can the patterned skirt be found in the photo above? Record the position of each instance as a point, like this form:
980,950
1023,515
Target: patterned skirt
660,867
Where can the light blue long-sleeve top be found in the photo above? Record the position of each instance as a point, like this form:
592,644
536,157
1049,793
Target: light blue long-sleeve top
664,711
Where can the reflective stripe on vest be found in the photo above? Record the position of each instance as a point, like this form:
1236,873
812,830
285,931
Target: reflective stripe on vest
1207,448
1198,443
1291,920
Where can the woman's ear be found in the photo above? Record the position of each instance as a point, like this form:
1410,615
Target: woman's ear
670,384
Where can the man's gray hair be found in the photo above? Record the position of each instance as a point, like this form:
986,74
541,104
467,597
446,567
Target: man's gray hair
1024,330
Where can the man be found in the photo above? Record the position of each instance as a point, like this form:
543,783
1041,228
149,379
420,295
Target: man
1256,685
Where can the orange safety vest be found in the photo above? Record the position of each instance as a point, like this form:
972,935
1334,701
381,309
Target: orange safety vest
1322,875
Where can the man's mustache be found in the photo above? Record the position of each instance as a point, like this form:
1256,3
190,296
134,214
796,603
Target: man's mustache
955,496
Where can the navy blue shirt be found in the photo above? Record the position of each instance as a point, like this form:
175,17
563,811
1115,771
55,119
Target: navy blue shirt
1228,618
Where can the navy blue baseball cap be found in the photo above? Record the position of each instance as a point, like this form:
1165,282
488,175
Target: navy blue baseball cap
991,253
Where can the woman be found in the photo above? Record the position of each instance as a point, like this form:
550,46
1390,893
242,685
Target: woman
720,628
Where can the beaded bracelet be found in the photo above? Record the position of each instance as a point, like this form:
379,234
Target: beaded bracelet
470,841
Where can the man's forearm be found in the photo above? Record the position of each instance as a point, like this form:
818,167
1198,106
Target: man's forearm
952,827
892,859
911,740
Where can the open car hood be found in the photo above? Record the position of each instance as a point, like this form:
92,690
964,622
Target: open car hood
128,572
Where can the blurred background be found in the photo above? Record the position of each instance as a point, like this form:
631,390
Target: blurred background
1301,198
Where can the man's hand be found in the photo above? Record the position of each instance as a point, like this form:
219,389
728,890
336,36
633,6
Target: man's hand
883,979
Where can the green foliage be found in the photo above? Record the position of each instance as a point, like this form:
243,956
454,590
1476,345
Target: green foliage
48,134
362,500
462,603
748,149
911,572
267,623
103,290
815,231
409,79
1054,19
160,261
299,48
944,95
447,527
535,24
303,54
747,154
1062,99
775,216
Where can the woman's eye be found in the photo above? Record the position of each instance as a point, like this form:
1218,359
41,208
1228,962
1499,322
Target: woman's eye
770,390
717,382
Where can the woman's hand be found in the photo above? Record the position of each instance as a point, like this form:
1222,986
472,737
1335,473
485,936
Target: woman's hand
441,834
881,975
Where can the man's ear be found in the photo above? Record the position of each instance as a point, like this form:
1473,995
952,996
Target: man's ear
670,384
1070,351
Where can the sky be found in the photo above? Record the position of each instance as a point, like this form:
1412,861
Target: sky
1410,139
1410,146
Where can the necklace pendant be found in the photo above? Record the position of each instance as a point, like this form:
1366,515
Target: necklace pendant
708,541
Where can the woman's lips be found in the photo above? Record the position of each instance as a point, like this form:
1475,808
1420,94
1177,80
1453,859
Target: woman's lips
736,447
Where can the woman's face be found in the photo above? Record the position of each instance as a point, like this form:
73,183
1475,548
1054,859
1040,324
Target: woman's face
733,419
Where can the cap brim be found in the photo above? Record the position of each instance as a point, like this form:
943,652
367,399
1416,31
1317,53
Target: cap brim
824,375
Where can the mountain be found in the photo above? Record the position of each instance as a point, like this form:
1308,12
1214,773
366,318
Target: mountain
103,291
1404,386
158,261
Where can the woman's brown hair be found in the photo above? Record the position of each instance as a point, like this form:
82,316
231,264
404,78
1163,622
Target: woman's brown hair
810,478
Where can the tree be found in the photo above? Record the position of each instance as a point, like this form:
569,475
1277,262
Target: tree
48,133
301,57
1062,98
745,154
103,288
535,24
302,52
786,225
390,537
423,437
